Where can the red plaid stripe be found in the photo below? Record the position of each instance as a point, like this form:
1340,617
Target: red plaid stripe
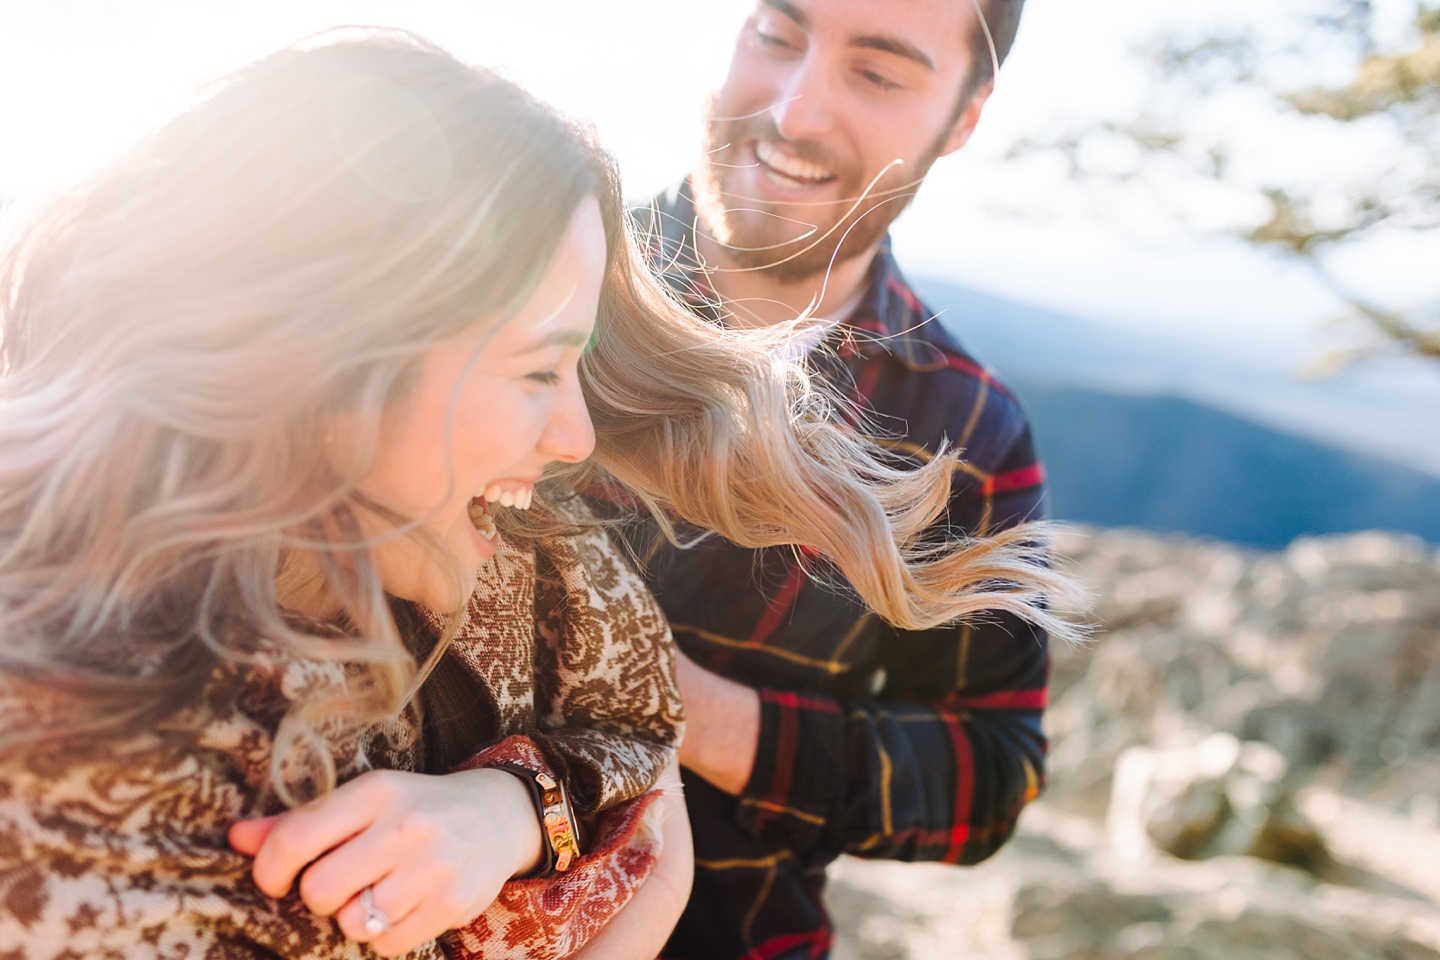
836,769
1031,476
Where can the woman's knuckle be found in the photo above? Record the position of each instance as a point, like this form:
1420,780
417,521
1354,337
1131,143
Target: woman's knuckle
284,844
350,926
418,829
315,891
452,905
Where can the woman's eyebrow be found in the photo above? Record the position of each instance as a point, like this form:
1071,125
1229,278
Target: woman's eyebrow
562,338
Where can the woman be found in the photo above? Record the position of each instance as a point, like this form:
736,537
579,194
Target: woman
264,383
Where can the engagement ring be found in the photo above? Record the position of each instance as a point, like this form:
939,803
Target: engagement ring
376,922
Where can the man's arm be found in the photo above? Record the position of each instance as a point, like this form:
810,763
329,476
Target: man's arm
936,768
723,720
902,778
898,779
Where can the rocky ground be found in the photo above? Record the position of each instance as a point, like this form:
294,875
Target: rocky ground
1245,764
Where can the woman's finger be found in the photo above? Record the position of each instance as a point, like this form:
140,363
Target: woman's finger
419,908
339,876
395,899
246,836
422,899
302,836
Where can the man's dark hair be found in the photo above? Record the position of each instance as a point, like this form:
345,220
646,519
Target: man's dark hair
1003,17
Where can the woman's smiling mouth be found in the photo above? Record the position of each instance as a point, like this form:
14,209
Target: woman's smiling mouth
507,493
480,518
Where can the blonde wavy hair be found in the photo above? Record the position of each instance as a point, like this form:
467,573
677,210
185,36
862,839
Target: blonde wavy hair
180,335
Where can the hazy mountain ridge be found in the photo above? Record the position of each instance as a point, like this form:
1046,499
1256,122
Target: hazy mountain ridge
1130,438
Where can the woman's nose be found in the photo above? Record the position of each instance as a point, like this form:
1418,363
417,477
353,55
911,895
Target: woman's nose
569,436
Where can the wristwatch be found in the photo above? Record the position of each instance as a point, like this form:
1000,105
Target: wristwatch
557,822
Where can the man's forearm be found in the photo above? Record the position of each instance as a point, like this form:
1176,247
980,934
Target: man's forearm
722,727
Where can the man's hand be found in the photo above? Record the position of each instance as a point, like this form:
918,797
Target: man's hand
436,850
722,726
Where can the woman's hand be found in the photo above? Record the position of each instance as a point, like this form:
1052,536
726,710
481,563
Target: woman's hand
436,850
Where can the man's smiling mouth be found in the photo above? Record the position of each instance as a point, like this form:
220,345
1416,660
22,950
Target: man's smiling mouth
789,172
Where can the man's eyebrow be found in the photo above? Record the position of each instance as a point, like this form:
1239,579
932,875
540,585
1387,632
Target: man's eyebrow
874,42
898,47
802,20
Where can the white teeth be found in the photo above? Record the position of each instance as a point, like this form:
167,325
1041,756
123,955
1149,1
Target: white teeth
789,166
519,499
482,522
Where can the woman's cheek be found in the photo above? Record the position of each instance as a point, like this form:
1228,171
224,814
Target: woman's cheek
508,434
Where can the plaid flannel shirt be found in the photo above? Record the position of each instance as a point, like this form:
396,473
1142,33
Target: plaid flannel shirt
874,741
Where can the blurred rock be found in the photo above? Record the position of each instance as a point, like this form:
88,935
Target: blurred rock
1219,798
1245,763
1303,732
1081,919
1328,651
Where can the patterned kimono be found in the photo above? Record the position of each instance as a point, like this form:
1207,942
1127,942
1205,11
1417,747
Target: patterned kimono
120,850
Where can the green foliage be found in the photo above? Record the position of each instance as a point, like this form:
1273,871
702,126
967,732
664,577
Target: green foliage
1395,91
1384,81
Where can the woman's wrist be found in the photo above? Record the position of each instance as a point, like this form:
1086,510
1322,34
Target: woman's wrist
518,810
559,831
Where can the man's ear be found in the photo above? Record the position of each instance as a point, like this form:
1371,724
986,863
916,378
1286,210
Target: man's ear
969,117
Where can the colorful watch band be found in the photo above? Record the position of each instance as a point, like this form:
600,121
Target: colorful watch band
557,823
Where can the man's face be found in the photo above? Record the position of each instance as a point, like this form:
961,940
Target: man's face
822,99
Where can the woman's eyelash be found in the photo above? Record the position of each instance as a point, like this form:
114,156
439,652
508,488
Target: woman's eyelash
547,377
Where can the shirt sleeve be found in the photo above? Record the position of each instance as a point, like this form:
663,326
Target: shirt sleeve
606,699
938,765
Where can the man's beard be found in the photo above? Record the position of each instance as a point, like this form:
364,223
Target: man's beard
770,241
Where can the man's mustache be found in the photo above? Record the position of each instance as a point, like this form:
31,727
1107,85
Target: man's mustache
725,135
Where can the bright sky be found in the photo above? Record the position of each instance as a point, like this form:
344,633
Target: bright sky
80,78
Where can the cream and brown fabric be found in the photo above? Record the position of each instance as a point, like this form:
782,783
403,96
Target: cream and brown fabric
119,850
550,919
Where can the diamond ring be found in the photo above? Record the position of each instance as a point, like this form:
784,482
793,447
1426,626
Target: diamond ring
376,922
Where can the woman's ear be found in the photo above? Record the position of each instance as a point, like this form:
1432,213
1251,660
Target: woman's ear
966,121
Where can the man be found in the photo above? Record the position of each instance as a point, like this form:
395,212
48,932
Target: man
814,728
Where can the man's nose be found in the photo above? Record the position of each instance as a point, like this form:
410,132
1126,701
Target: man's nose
569,435
803,108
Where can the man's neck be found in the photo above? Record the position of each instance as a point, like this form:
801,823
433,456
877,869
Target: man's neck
755,299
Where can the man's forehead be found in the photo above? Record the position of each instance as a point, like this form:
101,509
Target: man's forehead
937,29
